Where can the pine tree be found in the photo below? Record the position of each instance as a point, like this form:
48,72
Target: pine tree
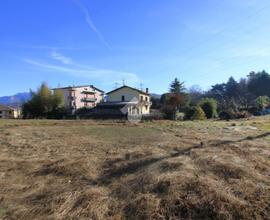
177,86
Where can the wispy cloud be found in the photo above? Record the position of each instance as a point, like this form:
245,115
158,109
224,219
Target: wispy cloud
106,76
60,57
91,24
250,51
42,47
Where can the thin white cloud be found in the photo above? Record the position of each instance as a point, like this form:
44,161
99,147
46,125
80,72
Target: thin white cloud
91,24
106,76
60,57
258,52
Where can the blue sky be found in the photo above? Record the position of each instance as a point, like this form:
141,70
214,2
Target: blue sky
102,42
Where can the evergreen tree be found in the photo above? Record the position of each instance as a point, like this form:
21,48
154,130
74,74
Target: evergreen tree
177,86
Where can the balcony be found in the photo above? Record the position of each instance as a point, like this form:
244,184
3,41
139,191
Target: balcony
88,100
145,102
88,92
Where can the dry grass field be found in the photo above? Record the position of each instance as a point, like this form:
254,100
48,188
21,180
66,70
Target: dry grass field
117,170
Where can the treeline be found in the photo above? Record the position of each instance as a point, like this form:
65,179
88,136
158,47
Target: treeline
44,104
230,100
233,99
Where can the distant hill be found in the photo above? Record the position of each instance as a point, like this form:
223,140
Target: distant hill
155,96
16,99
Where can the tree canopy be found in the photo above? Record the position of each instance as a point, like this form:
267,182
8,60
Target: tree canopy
177,86
44,104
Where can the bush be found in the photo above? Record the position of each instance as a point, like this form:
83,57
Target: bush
154,115
242,114
225,115
189,113
209,106
228,115
262,102
44,104
168,111
198,114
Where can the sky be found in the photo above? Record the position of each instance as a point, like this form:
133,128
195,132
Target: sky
145,43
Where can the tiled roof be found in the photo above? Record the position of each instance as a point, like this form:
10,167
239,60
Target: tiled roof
137,90
4,107
74,87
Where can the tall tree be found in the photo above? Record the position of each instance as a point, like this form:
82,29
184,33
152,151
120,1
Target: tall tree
43,104
231,88
177,86
175,99
258,83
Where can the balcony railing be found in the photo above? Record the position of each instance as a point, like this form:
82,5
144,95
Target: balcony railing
88,92
88,99
145,102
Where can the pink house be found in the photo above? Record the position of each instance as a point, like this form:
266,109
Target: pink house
76,97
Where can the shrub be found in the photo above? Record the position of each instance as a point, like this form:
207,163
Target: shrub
262,102
225,115
189,113
242,114
228,115
198,114
168,111
154,115
209,106
44,104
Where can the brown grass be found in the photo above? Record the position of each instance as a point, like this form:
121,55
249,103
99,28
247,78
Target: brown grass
116,170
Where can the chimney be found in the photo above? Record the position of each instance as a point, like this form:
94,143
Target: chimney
147,90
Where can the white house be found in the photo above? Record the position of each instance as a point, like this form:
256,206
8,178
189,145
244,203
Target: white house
7,112
126,101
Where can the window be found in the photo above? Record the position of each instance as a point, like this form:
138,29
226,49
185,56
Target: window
141,98
146,107
123,98
0,112
146,99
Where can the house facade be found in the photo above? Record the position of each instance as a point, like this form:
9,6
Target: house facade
126,101
76,97
7,112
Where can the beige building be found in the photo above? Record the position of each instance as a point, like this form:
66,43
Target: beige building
127,101
7,112
76,97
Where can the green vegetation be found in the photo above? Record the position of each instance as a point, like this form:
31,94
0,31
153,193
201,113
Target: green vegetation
209,106
44,104
198,114
2,212
262,102
230,100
